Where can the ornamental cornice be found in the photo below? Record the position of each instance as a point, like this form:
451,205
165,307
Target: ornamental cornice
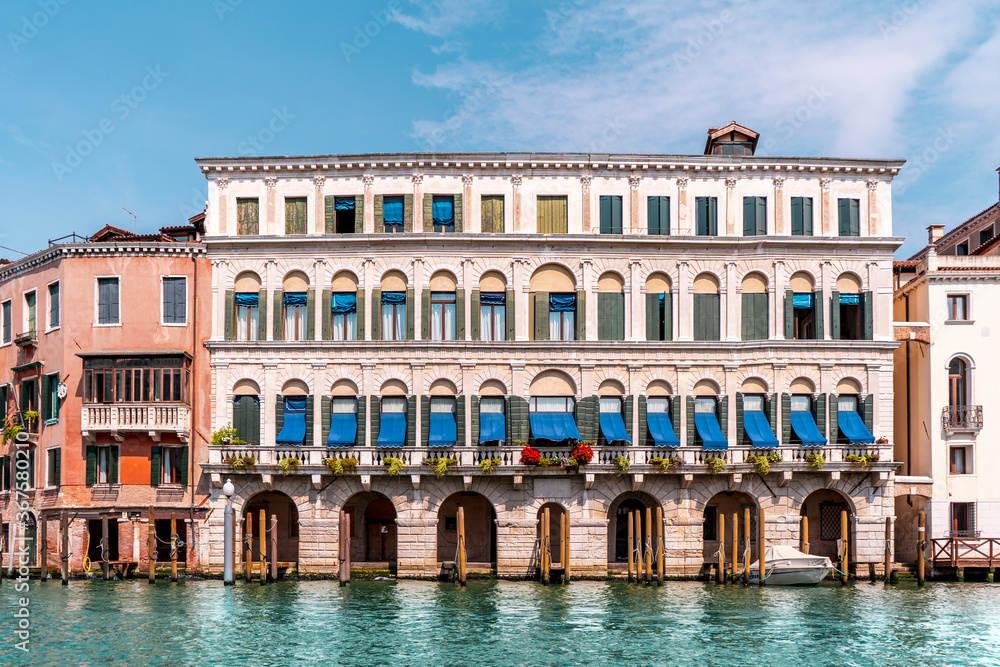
515,180
633,182
319,181
467,180
368,180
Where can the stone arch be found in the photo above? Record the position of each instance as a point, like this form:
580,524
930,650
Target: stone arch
658,282
240,265
288,373
727,503
443,280
501,376
492,388
611,387
659,388
617,514
849,385
246,387
348,374
442,387
714,375
401,265
553,277
446,375
352,266
849,282
493,281
556,512
373,528
754,385
823,507
393,281
284,508
480,527
392,372
706,387
393,387
808,372
706,282
344,387
853,267
754,282
552,382
611,281
802,281
716,268
615,374
344,281
295,281
295,387
802,385
447,264
247,281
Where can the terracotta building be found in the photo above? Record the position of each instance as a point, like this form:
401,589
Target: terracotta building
102,362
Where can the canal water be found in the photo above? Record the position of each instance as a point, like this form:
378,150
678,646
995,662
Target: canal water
502,623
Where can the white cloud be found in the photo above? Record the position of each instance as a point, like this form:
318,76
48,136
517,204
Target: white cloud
441,17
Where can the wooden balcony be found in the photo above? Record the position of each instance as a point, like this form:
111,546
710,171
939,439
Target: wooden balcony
119,419
962,417
965,552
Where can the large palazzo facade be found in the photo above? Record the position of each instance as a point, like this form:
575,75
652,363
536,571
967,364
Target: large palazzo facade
464,306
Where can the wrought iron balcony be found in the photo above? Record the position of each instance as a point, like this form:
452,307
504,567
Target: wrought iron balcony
118,419
962,417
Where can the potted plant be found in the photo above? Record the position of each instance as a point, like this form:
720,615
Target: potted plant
583,453
816,460
763,461
440,465
226,437
530,456
489,466
715,463
665,463
394,465
340,466
10,430
237,462
287,463
622,464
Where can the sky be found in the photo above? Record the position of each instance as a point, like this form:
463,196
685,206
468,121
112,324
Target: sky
104,106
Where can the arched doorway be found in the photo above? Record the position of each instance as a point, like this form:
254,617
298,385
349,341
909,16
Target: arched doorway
726,504
480,530
373,530
281,506
618,513
556,512
824,508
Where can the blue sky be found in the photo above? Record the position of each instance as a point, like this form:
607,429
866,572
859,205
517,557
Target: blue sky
104,106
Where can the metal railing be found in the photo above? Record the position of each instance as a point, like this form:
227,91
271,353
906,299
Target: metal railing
962,417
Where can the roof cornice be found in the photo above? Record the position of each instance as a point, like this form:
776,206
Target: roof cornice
68,250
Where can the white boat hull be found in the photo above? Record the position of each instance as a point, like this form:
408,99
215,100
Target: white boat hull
798,576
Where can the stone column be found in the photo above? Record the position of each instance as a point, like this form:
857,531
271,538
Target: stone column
269,397
731,306
320,388
683,302
319,284
271,279
635,309
683,226
319,206
681,392
517,384
418,287
220,278
825,212
827,387
467,282
781,225
418,202
522,290
873,228
515,182
634,388
585,182
589,282
779,385
633,219
371,311
223,208
779,281
827,281
730,390
467,389
731,206
472,214
368,214
271,196
370,391
417,389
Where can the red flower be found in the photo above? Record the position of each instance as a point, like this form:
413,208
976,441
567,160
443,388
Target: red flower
582,453
530,456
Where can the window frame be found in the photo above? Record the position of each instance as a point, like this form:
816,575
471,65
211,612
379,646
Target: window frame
962,249
397,227
840,222
237,214
983,240
570,401
966,301
343,327
52,480
538,219
711,222
503,212
659,221
563,326
252,331
174,459
489,313
300,318
437,299
812,218
6,322
58,309
27,326
106,449
393,319
968,462
53,416
760,226
284,210
163,299
97,301
444,229
615,205
110,375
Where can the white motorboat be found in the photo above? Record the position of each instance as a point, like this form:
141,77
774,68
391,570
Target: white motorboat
787,566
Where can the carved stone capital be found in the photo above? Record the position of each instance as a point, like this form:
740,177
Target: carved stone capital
730,183
223,183
633,182
368,180
872,185
271,182
682,182
417,179
467,180
515,180
586,180
825,183
319,181
779,182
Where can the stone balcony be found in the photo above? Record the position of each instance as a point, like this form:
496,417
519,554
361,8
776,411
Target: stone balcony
371,462
119,419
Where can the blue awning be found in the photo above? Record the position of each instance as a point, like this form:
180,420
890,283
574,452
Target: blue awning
853,427
708,428
562,303
293,430
492,298
850,299
294,298
393,297
442,431
344,302
756,426
392,429
556,427
443,210
662,429
344,203
663,300
247,298
343,429
392,210
492,427
804,426
613,428
802,300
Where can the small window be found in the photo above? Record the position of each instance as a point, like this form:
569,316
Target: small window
985,235
104,462
30,315
295,306
492,214
963,520
392,215
52,383
611,214
491,405
706,216
172,470
344,215
754,216
393,316
443,212
53,305
958,307
850,316
804,314
443,314
551,404
29,401
709,530
52,468
247,217
553,217
175,300
30,469
295,215
107,301
960,460
5,316
658,216
830,520
247,313
562,316
802,216
962,249
493,316
345,315
849,215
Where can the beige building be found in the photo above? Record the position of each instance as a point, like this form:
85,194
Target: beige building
671,310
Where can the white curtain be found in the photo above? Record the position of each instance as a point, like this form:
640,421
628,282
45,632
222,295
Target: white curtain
400,322
102,465
491,405
449,321
345,326
295,322
801,404
657,405
562,325
753,403
847,403
342,406
704,405
486,322
555,325
499,323
443,405
612,405
436,322
394,404
387,326
551,404
246,323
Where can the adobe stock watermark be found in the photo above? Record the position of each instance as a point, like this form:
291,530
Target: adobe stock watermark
456,116
565,10
363,35
901,14
917,166
613,129
121,108
223,7
23,551
30,25
819,96
711,31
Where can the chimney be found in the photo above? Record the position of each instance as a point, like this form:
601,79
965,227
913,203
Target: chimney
934,234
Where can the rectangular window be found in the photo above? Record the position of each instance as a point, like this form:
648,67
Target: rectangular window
295,315
175,300
706,316
958,307
705,405
804,313
443,210
801,403
985,235
710,528
52,384
443,316
493,316
492,219
172,465
393,404
962,249
29,401
830,520
550,404
611,405
5,315
53,305
52,471
611,214
850,316
753,402
345,315
960,460
562,316
393,316
30,316
658,216
754,216
754,315
392,215
103,464
802,216
553,215
135,380
963,520
344,214
107,301
31,468
247,217
247,311
848,211
295,215
706,216
847,403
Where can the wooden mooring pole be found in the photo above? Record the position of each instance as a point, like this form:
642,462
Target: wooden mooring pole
64,550
173,547
43,547
563,546
546,548
760,547
804,536
262,542
151,544
921,534
274,547
843,547
659,544
746,542
344,554
649,545
461,564
638,544
566,570
248,552
888,550
720,568
631,543
105,565
734,556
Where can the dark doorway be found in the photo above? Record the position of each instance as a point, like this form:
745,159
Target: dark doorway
380,531
94,527
621,526
850,322
163,540
344,215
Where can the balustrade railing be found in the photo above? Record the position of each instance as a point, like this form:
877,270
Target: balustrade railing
962,417
136,417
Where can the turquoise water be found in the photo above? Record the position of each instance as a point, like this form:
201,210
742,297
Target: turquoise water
503,623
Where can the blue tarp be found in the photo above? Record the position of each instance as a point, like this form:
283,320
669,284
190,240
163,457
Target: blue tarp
345,302
850,299
757,428
392,210
293,431
294,298
443,431
492,298
247,298
556,427
663,300
662,429
708,428
393,297
613,429
444,211
802,300
853,427
343,429
804,426
392,429
492,427
562,303
344,203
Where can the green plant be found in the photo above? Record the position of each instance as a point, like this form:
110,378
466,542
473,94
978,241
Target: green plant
863,459
394,465
10,430
763,462
715,464
287,463
440,465
339,466
227,436
31,415
622,463
489,466
816,460
665,463
241,462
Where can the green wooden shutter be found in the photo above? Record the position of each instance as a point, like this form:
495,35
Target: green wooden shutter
642,430
541,315
855,217
57,453
3,406
753,316
652,216
713,216
408,213
295,215
279,315
581,315
46,399
310,314
653,321
509,313
460,420
611,316
459,213
691,440
262,315
460,314
518,415
113,452
741,436
359,307
724,416
155,465
359,214
675,416
761,217
91,465
868,412
605,214
701,215
230,327
359,436
668,316
789,314
324,418
772,412
749,213
428,213
410,315
586,416
425,309
375,418
378,211
706,317
818,313
665,216
185,458
330,214
786,419
867,304
819,412
308,440
326,314
629,402
376,314
797,227
835,315
807,216
411,420
844,217
425,417
474,421
474,315
509,421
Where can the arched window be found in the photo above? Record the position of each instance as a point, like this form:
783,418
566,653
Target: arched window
958,372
